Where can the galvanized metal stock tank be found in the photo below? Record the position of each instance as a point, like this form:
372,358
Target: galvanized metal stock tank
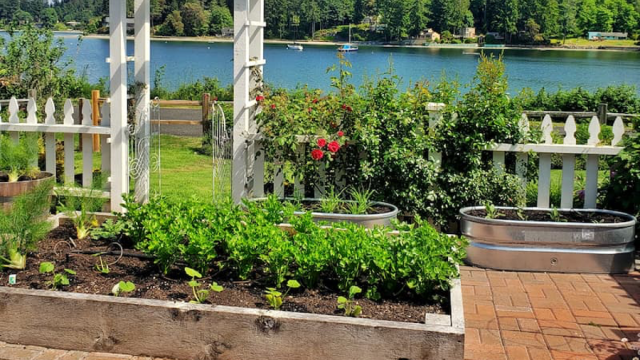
366,220
550,246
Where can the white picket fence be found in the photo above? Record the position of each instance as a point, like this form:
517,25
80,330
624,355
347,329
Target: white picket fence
48,126
568,150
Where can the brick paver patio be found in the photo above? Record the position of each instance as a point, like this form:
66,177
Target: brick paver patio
539,316
509,316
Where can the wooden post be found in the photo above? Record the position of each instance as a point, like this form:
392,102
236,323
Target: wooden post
142,67
603,111
95,115
206,118
118,87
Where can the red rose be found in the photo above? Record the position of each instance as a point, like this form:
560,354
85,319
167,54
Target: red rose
349,109
333,146
259,98
322,143
315,101
273,106
344,106
317,154
340,133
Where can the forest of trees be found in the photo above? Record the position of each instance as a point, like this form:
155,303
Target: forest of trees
536,20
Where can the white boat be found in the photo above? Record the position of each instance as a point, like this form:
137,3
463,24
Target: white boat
348,47
295,46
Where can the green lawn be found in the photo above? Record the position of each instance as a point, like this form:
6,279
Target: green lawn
594,44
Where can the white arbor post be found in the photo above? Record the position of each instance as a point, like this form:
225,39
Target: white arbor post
119,178
142,77
248,65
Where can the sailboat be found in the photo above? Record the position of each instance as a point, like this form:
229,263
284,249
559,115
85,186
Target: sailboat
348,47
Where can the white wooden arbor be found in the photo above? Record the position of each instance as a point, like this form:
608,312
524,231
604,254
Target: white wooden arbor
118,59
248,65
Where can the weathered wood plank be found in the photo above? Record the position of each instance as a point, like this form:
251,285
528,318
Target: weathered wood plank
591,186
192,331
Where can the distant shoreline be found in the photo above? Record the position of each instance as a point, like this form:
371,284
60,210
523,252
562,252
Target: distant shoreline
213,39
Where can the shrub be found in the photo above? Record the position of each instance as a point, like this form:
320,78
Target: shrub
623,191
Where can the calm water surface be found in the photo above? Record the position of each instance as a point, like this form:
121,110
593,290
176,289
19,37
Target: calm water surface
188,61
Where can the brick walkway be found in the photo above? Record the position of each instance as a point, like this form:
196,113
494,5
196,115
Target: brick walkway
19,352
539,316
509,316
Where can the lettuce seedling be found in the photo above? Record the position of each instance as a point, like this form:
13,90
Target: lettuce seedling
59,279
274,297
348,304
200,295
102,267
123,287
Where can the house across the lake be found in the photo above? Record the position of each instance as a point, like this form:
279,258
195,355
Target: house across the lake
429,35
600,35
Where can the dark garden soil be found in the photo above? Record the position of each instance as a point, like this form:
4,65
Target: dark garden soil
574,216
151,284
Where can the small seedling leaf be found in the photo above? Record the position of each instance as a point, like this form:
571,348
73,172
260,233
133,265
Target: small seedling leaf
293,284
217,288
70,271
126,286
64,280
353,291
342,299
194,283
46,267
357,311
193,273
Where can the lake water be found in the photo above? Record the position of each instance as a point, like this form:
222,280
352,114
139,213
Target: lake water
188,61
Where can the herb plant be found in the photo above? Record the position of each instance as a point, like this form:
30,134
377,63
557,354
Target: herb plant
492,212
102,267
362,201
79,203
19,158
348,304
24,225
200,295
556,216
274,297
123,287
331,202
59,279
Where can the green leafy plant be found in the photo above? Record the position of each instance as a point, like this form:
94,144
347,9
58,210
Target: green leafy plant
102,267
274,297
59,279
361,201
521,214
348,304
110,230
556,216
331,202
123,287
19,159
79,204
492,212
24,225
200,295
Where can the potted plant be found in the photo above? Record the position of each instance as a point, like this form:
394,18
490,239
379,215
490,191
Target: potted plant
359,209
552,240
24,225
19,173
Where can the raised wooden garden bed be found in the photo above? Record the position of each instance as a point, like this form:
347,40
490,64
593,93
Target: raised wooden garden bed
176,329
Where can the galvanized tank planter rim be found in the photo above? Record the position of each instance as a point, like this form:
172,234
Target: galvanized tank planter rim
631,220
348,217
